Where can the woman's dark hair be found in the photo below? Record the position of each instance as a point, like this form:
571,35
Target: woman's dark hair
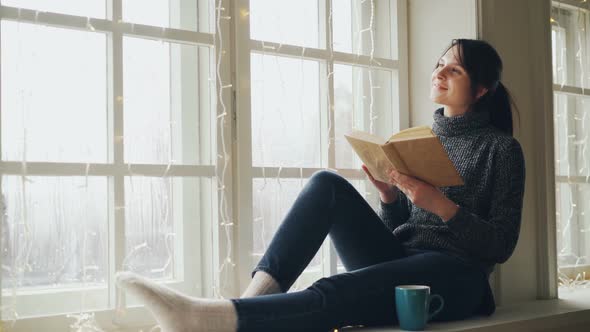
484,67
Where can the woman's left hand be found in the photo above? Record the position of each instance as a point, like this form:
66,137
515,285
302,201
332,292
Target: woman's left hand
424,195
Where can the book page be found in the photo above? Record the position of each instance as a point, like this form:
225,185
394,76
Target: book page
414,132
368,148
427,160
366,137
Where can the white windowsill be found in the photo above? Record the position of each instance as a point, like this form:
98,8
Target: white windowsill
570,310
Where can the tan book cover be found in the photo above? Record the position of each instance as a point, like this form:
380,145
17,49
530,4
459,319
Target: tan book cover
414,151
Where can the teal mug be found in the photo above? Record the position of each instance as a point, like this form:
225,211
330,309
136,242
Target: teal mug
413,306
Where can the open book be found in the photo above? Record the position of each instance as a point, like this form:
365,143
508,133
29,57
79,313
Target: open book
414,151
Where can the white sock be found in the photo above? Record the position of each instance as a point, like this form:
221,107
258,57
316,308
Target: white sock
176,312
262,284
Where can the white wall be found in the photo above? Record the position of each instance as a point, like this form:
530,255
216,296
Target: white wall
520,31
432,25
517,29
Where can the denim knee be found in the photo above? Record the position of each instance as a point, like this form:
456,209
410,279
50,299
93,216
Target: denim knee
324,177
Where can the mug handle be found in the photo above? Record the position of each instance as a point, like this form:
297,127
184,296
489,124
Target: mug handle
442,304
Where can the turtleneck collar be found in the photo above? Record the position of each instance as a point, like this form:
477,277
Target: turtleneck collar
460,124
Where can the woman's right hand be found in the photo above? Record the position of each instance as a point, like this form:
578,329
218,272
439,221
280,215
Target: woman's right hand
387,192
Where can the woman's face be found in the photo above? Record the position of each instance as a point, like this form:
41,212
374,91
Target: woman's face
451,85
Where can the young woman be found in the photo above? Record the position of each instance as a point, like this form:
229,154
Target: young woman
449,238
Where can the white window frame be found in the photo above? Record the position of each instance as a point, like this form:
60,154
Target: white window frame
234,201
116,169
244,46
573,91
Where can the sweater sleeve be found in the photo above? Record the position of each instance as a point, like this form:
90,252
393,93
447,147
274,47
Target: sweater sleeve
494,238
395,213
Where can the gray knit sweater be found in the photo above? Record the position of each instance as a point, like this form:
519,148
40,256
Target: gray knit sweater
486,226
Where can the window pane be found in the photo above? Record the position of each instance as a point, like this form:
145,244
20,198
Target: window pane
92,8
194,15
569,39
293,22
54,233
54,90
157,211
366,27
165,85
570,47
285,112
363,100
272,200
571,135
573,224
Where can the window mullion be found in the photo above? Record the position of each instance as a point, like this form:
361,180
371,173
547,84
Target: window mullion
571,90
328,149
573,153
241,54
225,265
299,52
402,118
326,23
116,183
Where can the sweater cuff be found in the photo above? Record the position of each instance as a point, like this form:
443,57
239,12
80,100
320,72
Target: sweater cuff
389,205
458,218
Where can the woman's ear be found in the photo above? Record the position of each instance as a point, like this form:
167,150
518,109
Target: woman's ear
480,92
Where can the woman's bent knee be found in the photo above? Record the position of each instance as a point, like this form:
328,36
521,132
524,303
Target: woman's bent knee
327,177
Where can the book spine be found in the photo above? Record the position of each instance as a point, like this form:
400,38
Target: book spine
395,159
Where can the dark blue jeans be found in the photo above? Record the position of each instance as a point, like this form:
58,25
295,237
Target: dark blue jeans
375,261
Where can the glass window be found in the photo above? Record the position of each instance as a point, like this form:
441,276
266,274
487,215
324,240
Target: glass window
156,210
365,27
54,233
570,47
54,88
75,208
569,41
119,155
363,100
285,22
162,100
87,8
302,103
193,15
285,112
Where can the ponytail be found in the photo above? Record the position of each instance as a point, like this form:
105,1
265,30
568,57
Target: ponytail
499,102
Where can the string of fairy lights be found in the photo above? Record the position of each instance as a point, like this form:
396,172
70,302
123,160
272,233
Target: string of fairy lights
569,38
